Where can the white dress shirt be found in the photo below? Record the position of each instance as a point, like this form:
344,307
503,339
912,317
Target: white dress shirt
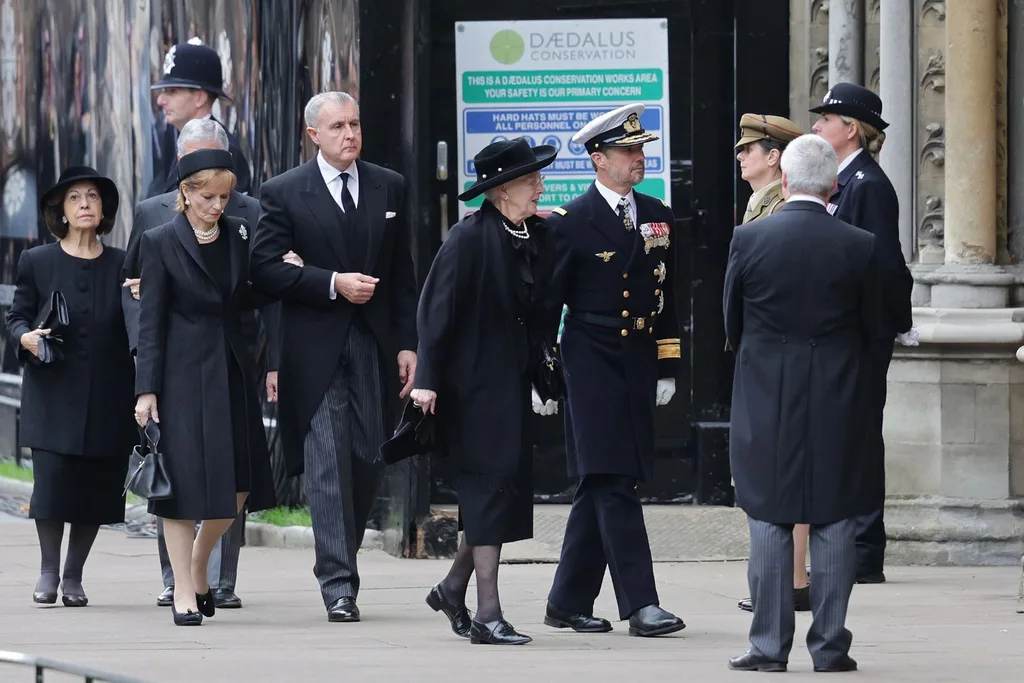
806,198
848,160
613,198
335,184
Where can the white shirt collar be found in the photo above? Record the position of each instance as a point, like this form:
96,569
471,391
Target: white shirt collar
613,197
330,173
849,160
805,198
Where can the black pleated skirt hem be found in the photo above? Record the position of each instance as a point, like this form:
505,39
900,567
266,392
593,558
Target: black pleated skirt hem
76,489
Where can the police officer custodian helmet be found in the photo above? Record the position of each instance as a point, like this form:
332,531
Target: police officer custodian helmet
754,127
193,65
505,160
618,128
856,101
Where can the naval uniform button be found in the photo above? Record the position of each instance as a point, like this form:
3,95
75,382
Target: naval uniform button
650,330
657,292
657,272
624,333
625,294
625,314
625,276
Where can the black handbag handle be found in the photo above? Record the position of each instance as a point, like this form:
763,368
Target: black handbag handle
149,436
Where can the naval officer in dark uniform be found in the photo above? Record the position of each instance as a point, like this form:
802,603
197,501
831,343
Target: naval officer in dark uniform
851,121
620,349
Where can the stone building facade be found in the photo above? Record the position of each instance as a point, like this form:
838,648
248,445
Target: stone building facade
954,422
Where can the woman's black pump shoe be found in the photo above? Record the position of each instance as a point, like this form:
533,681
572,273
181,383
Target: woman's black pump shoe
205,603
189,618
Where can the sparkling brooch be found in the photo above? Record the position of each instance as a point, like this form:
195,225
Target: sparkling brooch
243,232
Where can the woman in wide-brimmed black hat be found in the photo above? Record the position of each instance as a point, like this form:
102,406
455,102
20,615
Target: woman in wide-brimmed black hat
77,390
481,322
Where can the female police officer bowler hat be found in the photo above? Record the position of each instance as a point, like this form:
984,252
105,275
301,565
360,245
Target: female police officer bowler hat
505,160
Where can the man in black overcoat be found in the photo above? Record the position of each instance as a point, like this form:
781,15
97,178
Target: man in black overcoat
192,81
851,121
150,213
620,347
348,324
801,307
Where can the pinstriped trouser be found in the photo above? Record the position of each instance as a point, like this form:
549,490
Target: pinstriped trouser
340,452
770,575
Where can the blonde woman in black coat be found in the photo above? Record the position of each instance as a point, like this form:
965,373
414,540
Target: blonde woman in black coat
191,356
75,410
481,321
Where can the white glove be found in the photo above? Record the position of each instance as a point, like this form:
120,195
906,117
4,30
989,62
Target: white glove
908,338
666,390
545,408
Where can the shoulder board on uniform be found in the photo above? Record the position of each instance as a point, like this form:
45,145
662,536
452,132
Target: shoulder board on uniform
559,210
663,201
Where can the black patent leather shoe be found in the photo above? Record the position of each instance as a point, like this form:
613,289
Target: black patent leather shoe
225,599
654,621
188,618
343,610
166,597
844,663
749,662
801,601
45,592
458,615
72,593
204,602
498,632
557,617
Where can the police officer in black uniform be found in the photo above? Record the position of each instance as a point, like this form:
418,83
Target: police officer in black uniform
620,348
192,81
851,121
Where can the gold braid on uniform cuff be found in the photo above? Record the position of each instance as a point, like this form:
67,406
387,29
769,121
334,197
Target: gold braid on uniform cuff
668,348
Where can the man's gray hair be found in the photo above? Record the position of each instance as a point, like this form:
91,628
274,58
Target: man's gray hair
810,165
312,112
202,130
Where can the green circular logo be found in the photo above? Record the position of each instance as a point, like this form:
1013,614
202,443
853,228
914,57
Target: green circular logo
507,47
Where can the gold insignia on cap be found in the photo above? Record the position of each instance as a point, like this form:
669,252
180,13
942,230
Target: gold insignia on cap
631,124
605,256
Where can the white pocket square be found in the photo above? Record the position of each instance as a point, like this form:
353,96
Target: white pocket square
389,214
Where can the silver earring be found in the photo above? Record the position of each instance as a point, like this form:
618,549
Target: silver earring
64,220
504,197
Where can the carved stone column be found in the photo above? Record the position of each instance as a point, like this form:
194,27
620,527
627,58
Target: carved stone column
846,41
896,73
971,162
1015,120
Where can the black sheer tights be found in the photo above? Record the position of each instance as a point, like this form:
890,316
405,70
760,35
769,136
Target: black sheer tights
80,540
482,559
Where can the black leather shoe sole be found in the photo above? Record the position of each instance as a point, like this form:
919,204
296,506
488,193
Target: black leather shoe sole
651,633
559,623
765,667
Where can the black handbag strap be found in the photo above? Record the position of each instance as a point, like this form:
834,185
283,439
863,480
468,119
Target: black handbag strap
149,436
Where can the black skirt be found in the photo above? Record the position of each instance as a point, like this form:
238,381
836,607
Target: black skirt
495,509
77,489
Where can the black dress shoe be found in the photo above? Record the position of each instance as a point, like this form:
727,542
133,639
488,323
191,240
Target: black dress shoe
498,632
166,597
801,601
581,623
45,592
72,593
188,618
654,621
225,599
874,577
458,615
749,662
205,604
844,663
343,610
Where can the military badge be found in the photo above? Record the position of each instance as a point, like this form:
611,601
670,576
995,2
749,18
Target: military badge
662,272
169,60
655,235
661,302
605,256
860,175
631,124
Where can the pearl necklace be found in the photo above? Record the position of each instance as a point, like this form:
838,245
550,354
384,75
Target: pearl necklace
207,234
522,233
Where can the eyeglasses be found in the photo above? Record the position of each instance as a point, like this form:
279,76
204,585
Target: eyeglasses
536,182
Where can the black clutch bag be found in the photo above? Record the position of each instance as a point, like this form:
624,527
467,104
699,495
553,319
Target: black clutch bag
147,478
416,435
54,317
548,376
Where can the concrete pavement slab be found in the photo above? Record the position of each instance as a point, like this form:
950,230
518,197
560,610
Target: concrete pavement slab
927,624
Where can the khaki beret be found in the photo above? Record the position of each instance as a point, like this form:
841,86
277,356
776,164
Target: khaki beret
754,127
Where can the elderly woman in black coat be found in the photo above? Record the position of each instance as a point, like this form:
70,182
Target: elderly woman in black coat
191,357
481,324
76,400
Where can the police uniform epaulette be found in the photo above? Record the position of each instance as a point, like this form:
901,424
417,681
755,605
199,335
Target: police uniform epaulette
559,210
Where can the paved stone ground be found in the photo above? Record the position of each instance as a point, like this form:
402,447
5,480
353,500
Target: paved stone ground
927,624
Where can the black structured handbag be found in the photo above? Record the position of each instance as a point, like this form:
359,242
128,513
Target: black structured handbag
147,478
548,376
54,317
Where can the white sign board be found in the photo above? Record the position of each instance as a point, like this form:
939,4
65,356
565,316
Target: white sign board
544,80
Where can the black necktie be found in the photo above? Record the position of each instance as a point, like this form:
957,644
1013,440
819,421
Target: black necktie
347,202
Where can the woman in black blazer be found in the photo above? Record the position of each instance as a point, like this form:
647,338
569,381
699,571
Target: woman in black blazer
75,409
191,357
481,323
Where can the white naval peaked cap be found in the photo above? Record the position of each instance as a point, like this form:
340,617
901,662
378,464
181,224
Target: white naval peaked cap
617,128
